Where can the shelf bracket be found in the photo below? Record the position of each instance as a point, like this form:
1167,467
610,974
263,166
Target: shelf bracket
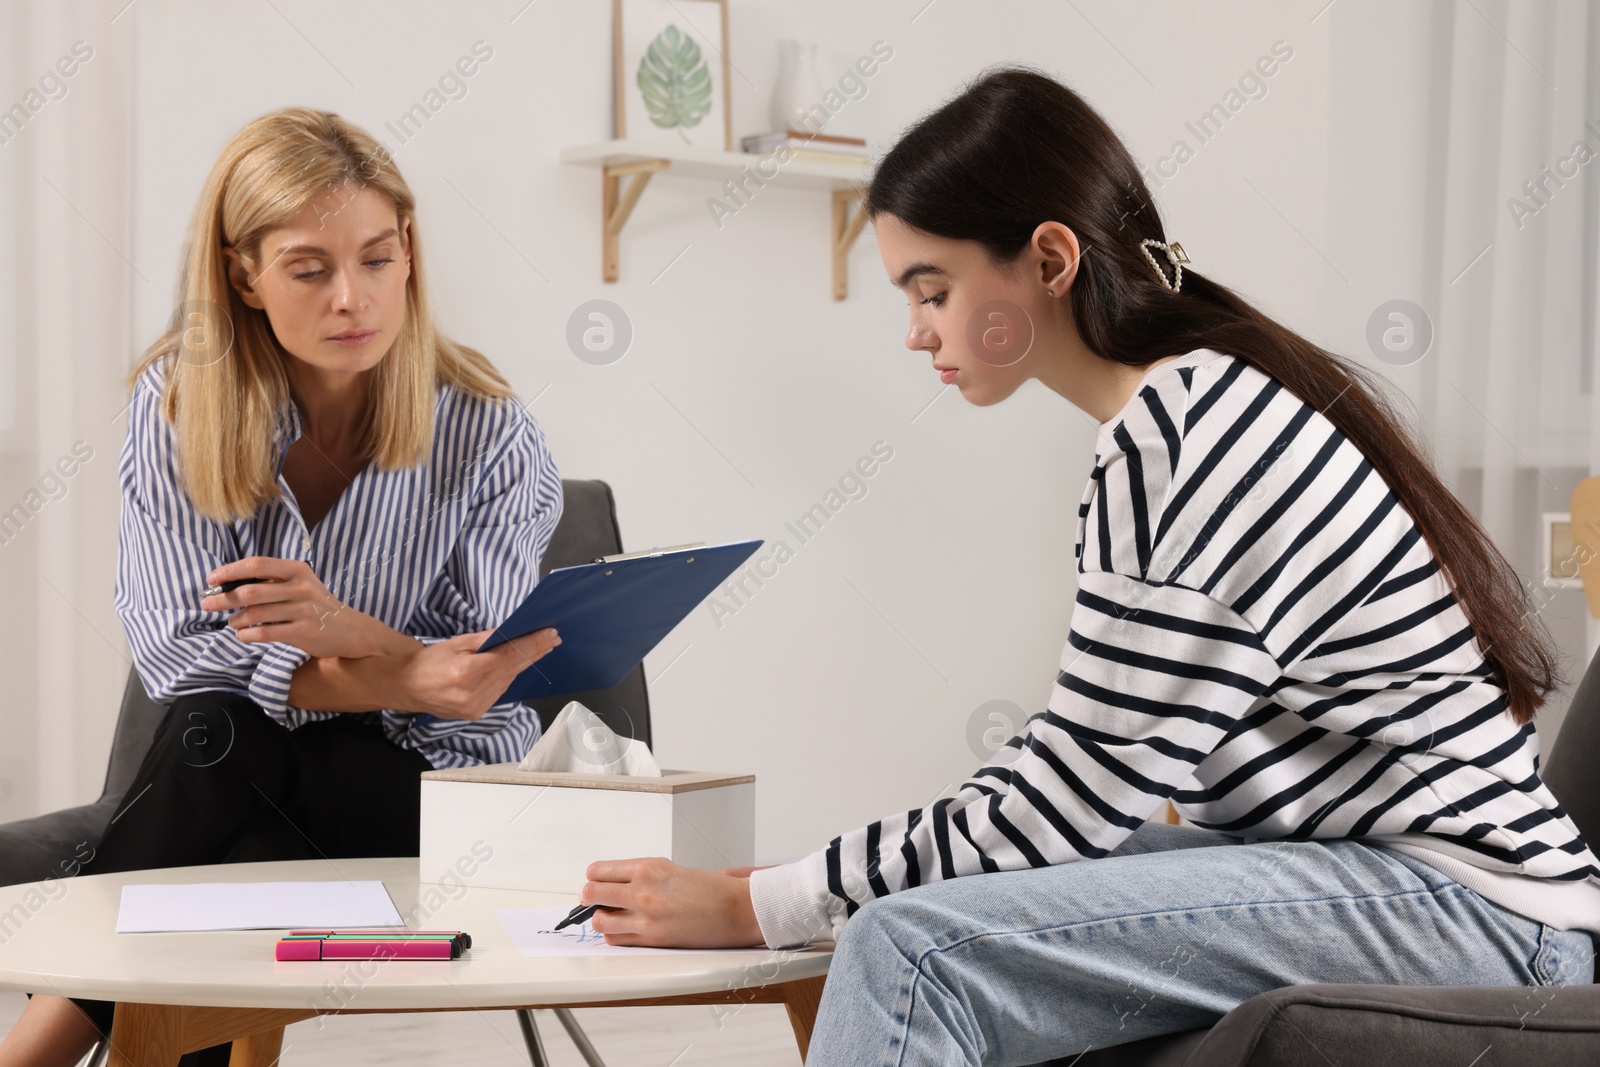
847,226
618,204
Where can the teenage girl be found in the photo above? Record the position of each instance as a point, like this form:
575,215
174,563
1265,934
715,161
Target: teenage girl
1285,624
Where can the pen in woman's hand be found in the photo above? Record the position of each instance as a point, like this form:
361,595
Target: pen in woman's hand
228,587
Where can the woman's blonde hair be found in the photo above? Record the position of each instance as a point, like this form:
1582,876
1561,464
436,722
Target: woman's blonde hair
227,385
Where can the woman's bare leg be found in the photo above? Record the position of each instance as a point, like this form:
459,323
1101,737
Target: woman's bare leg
52,1032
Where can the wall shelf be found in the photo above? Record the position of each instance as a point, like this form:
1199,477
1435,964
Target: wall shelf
628,166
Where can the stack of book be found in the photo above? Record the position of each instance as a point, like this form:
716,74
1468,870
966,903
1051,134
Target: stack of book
823,146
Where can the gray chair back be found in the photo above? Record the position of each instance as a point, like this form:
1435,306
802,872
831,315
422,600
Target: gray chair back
588,528
136,729
1570,772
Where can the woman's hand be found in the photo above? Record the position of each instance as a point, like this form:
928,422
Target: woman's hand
452,681
658,902
292,605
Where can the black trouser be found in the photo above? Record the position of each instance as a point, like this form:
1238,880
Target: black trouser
224,783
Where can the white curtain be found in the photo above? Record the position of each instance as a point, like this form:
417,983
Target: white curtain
67,276
1510,236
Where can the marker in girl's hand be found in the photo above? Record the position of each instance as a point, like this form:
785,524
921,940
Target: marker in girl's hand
581,914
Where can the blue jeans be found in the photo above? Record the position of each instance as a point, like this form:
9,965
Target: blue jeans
1168,933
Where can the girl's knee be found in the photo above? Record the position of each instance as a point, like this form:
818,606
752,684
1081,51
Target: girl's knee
875,929
907,924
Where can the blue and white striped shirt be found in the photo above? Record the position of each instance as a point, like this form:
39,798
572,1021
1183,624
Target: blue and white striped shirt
447,547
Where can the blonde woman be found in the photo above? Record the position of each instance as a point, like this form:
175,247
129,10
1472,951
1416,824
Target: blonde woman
306,430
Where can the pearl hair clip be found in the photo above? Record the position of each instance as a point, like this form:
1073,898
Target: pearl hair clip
1175,255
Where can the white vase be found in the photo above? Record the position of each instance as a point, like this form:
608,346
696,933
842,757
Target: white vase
798,90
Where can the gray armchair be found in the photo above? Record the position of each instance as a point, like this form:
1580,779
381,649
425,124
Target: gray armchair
45,846
1419,1026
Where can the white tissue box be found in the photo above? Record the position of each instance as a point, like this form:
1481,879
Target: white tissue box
539,830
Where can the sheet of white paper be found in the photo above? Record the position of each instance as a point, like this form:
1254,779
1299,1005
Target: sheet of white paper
530,929
164,908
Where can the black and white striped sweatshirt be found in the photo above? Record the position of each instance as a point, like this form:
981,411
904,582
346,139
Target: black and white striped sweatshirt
1262,635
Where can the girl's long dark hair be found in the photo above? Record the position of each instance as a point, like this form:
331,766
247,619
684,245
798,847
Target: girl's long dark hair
1018,148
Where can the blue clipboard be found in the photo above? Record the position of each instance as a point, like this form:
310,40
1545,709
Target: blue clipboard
612,612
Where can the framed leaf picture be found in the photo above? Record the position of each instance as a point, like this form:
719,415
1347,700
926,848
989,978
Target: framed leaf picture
672,72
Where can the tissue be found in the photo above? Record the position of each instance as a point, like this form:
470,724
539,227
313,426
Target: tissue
579,741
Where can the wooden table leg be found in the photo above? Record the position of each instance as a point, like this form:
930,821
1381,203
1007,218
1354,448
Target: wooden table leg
155,1035
801,999
258,1050
146,1035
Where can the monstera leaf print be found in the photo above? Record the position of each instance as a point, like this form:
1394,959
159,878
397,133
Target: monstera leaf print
675,81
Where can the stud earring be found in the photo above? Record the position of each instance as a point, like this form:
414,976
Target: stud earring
1049,292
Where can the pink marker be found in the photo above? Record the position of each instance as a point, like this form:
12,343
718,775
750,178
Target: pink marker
373,945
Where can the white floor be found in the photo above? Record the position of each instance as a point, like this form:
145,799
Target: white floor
625,1037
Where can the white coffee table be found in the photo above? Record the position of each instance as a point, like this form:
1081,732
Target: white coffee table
181,992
